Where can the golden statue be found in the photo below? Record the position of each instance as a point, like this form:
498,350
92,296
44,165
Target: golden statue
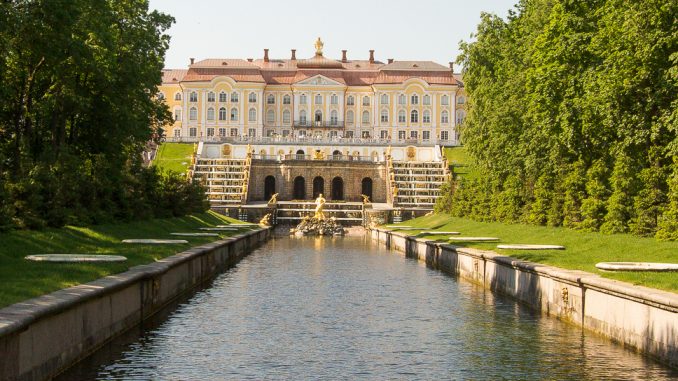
273,200
266,220
319,47
319,155
319,206
366,199
395,192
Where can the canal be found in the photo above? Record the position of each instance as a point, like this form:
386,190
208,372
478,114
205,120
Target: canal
345,308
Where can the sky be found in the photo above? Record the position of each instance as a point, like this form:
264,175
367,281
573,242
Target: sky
399,29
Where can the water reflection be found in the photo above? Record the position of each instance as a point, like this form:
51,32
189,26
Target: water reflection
345,308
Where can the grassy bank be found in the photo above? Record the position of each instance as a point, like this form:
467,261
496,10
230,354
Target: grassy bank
461,163
21,279
583,250
174,156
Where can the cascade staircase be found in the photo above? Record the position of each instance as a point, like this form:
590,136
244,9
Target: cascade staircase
345,213
416,184
226,179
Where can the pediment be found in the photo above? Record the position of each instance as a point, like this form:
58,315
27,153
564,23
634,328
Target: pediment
319,80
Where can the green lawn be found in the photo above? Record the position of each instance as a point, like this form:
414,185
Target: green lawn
174,156
583,250
21,279
461,163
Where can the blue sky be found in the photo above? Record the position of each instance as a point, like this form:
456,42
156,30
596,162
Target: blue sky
403,30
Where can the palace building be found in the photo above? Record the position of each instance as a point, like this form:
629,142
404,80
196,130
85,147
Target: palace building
301,127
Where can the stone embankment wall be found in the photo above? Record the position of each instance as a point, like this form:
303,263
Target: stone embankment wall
42,336
642,318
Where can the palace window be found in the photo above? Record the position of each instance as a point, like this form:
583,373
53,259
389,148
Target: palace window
444,135
302,99
415,99
349,134
177,96
286,133
366,117
427,99
234,114
426,135
270,99
414,134
223,97
402,117
349,117
193,97
210,131
252,98
287,99
461,100
444,117
401,135
286,117
414,116
334,99
445,100
252,116
318,99
222,132
384,99
302,117
193,113
177,132
366,101
222,113
402,99
461,115
383,134
210,113
234,132
210,97
177,114
334,119
234,97
193,132
270,117
252,132
365,135
384,116
427,116
350,101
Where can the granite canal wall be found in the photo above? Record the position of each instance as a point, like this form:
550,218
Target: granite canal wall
42,336
641,318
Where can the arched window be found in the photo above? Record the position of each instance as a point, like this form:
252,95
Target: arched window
461,115
402,117
349,117
384,116
334,119
366,101
337,188
299,185
252,116
287,100
222,113
286,116
234,97
318,186
193,113
270,99
318,116
427,116
384,99
427,99
334,99
223,97
415,99
177,113
302,99
210,113
444,117
234,114
211,97
445,100
252,98
193,97
402,99
366,187
461,100
350,101
366,117
318,99
302,117
270,116
177,96
414,116
269,187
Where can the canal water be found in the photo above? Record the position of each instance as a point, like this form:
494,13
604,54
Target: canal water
344,308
